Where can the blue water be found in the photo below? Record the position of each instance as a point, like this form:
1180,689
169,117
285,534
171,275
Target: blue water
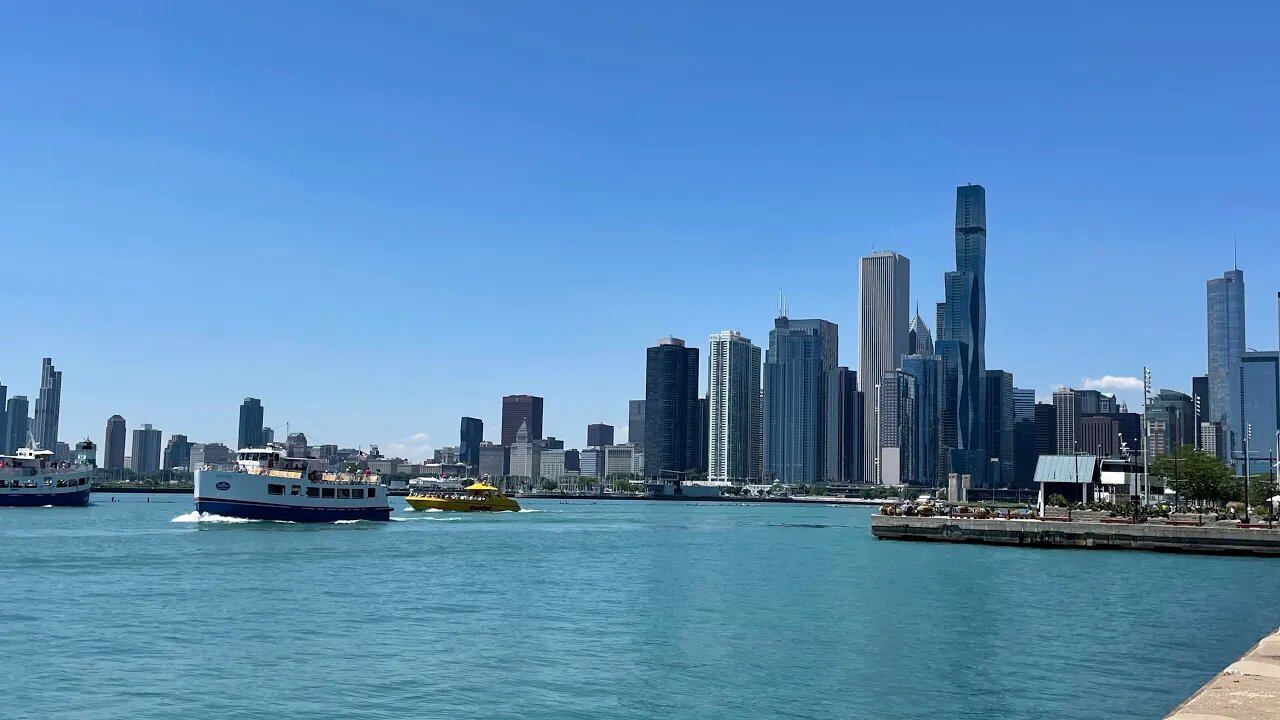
607,610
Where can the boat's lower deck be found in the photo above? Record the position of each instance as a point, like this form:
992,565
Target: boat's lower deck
289,513
39,497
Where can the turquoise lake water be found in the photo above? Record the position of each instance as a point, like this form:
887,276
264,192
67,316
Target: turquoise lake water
605,610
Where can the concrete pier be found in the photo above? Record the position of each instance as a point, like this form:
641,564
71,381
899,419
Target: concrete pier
1248,689
1037,533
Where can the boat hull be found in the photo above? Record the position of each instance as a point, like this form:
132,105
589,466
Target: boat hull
287,513
497,504
72,498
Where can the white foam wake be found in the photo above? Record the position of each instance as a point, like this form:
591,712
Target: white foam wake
409,508
346,522
195,516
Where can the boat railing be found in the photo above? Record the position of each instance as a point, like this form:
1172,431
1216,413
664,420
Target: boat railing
317,476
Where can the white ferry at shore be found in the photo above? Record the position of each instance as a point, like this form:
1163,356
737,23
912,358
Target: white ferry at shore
30,478
266,484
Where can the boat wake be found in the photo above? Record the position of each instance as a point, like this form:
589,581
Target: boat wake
347,522
409,508
527,510
199,517
423,518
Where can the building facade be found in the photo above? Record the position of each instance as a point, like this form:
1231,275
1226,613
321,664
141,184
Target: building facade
113,444
1068,413
145,453
999,419
801,406
177,452
1099,436
926,451
520,410
48,406
599,435
526,455
17,423
470,435
852,424
619,461
670,408
1253,409
896,429
1046,441
1024,438
492,461
884,318
635,422
1226,338
734,394
250,434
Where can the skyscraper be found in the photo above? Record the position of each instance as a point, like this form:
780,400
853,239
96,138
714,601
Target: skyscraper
525,455
470,435
896,427
851,425
1226,331
999,419
670,408
884,281
177,453
520,410
4,439
1067,411
919,339
801,406
635,423
113,444
1253,408
145,453
1024,437
599,435
926,450
268,435
250,423
733,390
48,406
963,328
1046,442
16,422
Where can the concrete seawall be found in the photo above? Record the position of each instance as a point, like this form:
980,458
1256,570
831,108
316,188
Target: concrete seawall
1036,533
1248,689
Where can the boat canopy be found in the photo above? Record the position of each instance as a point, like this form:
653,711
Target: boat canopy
480,486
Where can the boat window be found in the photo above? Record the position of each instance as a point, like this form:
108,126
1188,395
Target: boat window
275,489
344,493
357,493
82,481
295,489
326,492
373,492
313,492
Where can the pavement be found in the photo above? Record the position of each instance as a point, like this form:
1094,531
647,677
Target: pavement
1248,689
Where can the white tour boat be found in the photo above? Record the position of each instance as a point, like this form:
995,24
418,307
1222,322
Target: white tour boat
30,478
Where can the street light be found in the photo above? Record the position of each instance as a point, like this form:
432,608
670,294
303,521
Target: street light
1248,435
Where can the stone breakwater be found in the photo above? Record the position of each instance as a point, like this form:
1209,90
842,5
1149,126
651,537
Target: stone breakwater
1248,689
1112,536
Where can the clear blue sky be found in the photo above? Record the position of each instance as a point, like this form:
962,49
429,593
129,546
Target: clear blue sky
380,217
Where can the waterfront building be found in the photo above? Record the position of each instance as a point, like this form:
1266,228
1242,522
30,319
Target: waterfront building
145,453
1176,412
16,423
1253,409
1024,437
592,462
526,455
250,434
520,410
619,461
671,432
637,463
113,444
599,435
446,455
177,452
470,435
999,421
896,428
1100,436
852,406
884,287
493,460
734,447
926,449
1046,442
801,407
572,460
635,422
551,464
1067,408
962,327
48,406
1226,334
210,454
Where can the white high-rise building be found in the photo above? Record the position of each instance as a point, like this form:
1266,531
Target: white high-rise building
526,456
736,439
884,320
618,460
551,464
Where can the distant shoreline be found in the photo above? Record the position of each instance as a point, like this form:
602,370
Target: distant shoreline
179,490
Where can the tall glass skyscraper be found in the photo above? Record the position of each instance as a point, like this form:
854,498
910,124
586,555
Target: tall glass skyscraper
671,428
48,406
801,407
734,450
250,434
1000,417
470,435
962,326
113,444
1253,403
926,446
884,317
1225,305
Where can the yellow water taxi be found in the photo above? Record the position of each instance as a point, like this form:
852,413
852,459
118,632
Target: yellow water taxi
478,498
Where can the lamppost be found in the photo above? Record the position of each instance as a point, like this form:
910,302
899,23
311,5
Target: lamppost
1146,434
1197,437
1248,435
878,440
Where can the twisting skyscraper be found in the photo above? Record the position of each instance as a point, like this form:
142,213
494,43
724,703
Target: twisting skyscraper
48,406
962,335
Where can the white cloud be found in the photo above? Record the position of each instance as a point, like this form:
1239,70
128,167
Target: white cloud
415,447
1112,382
419,437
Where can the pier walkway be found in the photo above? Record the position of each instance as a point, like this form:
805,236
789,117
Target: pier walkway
1248,689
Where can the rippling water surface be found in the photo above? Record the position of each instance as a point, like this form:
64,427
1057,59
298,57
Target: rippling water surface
596,610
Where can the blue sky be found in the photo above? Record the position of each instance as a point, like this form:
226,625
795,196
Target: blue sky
380,219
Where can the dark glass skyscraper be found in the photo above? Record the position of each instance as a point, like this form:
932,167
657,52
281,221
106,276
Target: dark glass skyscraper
470,435
177,453
16,422
671,440
963,325
635,423
250,423
926,449
999,418
851,425
801,407
1046,437
599,435
1225,300
113,444
520,410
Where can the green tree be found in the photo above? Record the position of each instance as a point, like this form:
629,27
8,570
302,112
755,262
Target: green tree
548,485
1195,475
